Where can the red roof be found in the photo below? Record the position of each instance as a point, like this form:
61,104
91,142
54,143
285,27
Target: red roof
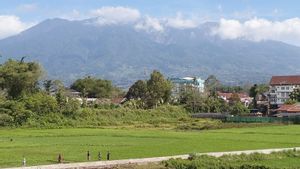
289,108
228,95
285,80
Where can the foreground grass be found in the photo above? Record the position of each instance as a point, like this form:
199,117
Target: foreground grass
43,146
276,160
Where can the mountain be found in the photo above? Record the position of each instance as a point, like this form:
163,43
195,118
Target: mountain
120,52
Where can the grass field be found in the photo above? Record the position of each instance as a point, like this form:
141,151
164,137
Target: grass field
42,146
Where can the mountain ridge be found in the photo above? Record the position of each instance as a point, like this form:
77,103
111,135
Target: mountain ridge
123,54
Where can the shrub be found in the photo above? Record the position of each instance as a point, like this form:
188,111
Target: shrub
6,120
15,110
70,107
40,103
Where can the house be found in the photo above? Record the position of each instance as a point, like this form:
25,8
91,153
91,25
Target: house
289,108
244,97
72,93
181,84
281,87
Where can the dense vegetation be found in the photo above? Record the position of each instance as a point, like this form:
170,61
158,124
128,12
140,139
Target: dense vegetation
151,93
278,160
198,103
95,88
18,78
28,100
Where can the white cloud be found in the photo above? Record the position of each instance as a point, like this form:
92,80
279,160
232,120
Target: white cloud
11,25
115,15
260,29
27,7
180,23
150,24
74,15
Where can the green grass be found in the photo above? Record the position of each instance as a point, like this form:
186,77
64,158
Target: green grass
279,160
42,146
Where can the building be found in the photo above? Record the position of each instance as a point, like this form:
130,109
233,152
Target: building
281,87
181,84
288,110
244,97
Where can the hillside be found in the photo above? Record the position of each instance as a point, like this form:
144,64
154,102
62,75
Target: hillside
72,49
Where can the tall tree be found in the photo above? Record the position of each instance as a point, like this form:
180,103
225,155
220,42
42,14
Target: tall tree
255,90
211,84
19,77
159,89
137,91
52,85
93,87
156,90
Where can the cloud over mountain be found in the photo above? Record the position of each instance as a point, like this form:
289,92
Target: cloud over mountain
150,24
260,29
181,23
124,53
256,29
11,25
115,15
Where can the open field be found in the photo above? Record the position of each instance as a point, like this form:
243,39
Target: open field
43,146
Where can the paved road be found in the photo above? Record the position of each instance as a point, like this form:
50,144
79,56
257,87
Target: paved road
107,164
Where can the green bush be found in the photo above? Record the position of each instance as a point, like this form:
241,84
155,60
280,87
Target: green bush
6,120
243,161
40,103
14,113
70,107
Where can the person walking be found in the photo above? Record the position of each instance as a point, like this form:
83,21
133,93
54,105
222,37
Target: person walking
108,156
88,156
99,156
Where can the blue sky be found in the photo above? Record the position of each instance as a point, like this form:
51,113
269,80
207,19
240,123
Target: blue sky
37,10
248,19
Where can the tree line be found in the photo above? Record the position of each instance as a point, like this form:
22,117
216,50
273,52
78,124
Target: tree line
24,95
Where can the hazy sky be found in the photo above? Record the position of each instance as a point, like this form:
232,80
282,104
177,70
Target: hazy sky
37,10
250,19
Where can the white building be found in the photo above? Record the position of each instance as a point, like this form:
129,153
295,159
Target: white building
180,84
281,87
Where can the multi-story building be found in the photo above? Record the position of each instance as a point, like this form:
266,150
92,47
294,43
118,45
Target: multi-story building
181,84
281,87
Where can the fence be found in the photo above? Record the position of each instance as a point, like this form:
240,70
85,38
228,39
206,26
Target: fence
287,120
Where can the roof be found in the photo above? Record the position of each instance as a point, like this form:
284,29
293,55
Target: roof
289,108
285,80
228,95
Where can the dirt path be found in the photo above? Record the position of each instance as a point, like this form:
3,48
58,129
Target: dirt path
108,164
